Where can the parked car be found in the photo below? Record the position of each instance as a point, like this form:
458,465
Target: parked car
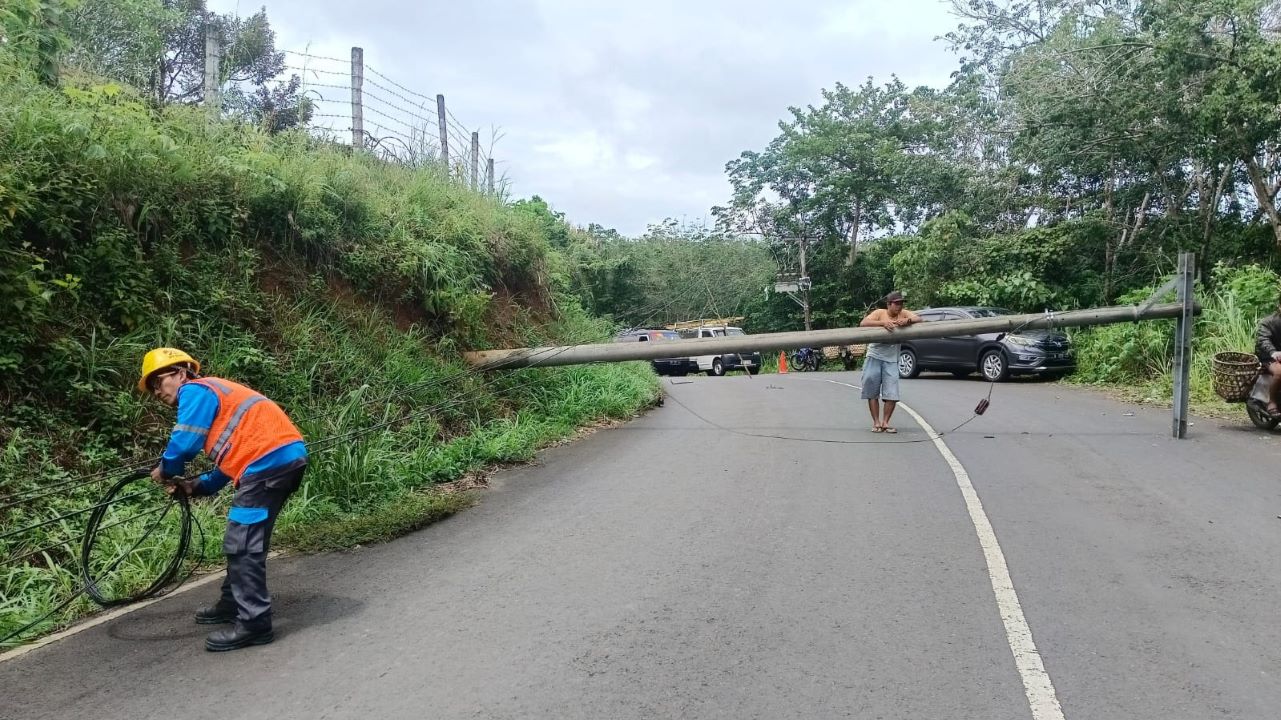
996,356
721,364
678,366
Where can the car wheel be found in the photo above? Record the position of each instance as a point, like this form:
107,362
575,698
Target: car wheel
907,364
960,373
994,367
718,368
755,370
1261,419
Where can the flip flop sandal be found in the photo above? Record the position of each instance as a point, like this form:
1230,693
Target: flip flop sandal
877,429
890,430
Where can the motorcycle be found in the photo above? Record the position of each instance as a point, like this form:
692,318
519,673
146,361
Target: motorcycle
1256,405
806,359
850,355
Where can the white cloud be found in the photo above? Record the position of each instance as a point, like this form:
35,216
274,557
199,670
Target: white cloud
619,114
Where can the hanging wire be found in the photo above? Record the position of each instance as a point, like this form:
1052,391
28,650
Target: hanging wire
374,71
393,93
317,71
50,521
317,415
19,558
316,57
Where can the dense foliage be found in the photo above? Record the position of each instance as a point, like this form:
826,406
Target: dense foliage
1079,147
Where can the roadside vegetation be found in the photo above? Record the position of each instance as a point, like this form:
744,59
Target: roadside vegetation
343,287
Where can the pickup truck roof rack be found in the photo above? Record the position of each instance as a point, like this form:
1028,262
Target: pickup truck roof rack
705,322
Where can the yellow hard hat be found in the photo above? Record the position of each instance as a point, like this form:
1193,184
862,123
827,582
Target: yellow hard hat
161,358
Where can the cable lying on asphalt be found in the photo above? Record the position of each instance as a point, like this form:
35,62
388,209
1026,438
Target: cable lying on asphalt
982,404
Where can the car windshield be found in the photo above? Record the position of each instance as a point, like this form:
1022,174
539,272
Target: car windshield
989,312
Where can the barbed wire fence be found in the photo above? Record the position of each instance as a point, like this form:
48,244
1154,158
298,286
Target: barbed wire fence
355,104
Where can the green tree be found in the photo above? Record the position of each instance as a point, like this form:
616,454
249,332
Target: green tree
159,46
1138,110
273,108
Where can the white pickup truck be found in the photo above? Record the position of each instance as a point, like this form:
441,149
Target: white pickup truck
720,364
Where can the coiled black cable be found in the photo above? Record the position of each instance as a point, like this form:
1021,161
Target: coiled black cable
94,527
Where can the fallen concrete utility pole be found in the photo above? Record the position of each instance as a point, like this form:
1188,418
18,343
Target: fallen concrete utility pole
620,352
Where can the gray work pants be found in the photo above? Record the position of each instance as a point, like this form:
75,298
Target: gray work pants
246,545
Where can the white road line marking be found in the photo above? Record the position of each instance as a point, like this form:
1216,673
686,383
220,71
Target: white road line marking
1041,697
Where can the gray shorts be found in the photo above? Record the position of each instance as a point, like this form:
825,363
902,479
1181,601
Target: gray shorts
880,379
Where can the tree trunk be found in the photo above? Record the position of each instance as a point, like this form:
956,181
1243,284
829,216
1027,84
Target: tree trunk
1107,198
1207,221
858,219
1113,250
1261,194
1109,261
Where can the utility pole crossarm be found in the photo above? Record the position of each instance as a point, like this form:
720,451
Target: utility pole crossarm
621,352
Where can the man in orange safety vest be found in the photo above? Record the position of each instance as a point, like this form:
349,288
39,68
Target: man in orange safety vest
255,447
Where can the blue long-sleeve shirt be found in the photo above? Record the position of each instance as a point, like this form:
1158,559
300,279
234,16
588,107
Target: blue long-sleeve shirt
197,408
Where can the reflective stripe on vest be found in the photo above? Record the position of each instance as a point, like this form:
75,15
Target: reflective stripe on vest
216,384
220,445
248,426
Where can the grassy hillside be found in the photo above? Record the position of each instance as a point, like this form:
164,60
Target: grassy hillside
342,287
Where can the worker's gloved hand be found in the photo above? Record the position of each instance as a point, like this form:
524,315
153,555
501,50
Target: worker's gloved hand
184,488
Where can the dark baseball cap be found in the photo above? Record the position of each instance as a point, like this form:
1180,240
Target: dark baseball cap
894,297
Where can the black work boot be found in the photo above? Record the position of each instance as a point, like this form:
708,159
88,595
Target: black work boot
238,636
216,614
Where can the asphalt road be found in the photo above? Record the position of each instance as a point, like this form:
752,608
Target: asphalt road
673,569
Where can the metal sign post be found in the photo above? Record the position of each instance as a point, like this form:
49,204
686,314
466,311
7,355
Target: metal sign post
1183,342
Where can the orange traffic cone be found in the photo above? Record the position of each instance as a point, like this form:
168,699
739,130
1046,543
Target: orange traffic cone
782,363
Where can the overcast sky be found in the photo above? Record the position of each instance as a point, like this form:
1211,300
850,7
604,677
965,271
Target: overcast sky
622,113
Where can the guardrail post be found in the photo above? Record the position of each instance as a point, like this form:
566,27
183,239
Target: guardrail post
1183,343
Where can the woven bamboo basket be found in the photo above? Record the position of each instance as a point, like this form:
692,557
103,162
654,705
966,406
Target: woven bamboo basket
1234,375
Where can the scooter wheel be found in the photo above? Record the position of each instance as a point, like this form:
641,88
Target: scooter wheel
1261,418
